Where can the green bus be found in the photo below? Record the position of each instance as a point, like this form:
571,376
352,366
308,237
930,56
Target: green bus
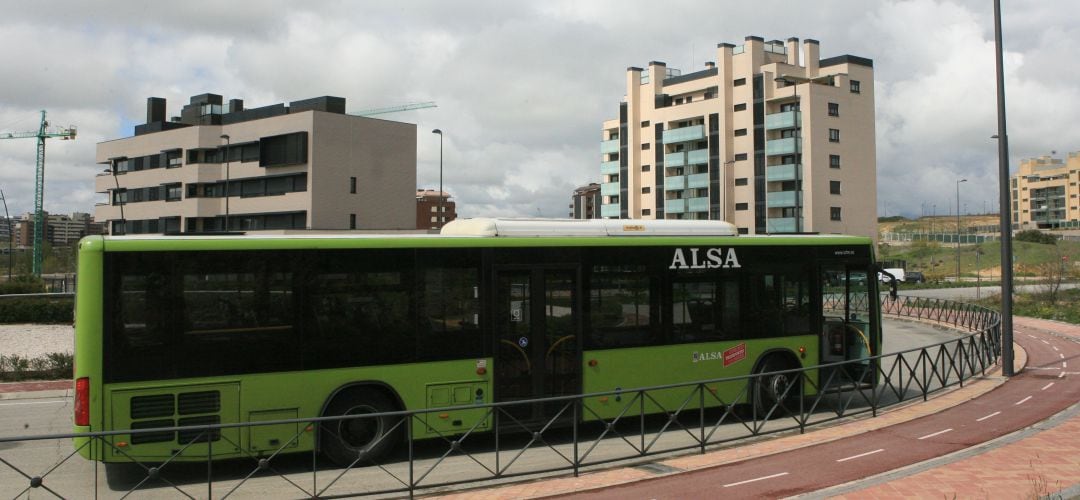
206,329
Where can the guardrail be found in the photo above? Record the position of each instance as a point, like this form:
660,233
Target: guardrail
577,437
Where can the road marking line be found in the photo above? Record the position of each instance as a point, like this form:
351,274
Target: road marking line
1045,342
996,413
1047,386
33,403
756,479
1042,368
938,433
879,450
1061,375
1062,355
1032,336
1055,348
1064,365
1022,401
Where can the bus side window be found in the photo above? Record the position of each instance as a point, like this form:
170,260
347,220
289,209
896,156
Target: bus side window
449,315
620,307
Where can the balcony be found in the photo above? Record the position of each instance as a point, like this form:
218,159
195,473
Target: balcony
609,167
785,146
783,172
675,206
676,159
609,147
675,183
610,210
697,204
697,181
609,189
787,119
692,133
697,157
782,199
780,225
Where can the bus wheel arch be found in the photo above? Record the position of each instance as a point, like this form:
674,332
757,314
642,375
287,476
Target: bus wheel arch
360,441
766,391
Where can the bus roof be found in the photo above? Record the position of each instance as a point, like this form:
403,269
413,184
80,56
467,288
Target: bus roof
492,227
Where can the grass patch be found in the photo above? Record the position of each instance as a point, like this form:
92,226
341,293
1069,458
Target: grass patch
1038,305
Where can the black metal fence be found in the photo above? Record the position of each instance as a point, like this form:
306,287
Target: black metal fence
575,436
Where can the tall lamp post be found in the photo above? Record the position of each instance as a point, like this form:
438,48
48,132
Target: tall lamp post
1004,212
11,236
118,201
227,144
958,228
798,139
441,216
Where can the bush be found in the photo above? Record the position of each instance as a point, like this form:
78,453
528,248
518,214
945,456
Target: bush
53,366
1036,236
22,284
37,310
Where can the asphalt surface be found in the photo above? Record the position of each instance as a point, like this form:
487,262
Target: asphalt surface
1046,387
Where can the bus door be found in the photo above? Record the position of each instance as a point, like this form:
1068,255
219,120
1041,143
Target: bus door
536,321
848,307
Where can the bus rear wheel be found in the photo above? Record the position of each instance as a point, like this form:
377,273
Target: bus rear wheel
778,393
360,441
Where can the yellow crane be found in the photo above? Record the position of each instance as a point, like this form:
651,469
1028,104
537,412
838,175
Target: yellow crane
43,132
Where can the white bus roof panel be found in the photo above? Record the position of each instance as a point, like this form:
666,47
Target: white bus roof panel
586,227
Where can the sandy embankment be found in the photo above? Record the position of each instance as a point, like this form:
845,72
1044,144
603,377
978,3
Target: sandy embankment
33,341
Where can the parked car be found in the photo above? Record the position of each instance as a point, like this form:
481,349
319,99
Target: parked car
914,277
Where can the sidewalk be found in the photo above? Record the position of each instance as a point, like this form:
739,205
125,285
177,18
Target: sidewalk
1035,462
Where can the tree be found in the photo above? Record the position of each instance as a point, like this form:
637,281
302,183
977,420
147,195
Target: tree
1036,236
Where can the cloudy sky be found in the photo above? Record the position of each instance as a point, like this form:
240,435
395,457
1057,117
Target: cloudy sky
522,88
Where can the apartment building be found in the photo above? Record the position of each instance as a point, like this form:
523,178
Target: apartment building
1045,194
217,167
586,201
429,204
761,137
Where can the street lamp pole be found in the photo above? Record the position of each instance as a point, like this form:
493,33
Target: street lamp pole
11,236
1004,212
440,217
119,203
227,144
958,229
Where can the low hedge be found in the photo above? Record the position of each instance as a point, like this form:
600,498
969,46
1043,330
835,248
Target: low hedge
37,310
52,366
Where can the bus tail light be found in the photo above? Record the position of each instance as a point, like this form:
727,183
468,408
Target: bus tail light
82,401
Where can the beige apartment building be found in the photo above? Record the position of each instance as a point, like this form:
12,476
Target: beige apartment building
761,137
1045,193
305,165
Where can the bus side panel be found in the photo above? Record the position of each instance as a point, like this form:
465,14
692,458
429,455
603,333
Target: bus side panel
88,335
621,369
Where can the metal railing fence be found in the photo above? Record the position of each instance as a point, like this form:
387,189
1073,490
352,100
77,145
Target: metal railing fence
578,433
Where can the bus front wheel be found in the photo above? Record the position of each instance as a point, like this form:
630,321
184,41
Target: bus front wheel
361,440
779,392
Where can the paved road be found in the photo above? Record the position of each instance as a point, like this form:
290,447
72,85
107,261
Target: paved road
1046,387
965,294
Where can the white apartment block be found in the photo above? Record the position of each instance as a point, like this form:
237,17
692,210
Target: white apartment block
761,138
218,167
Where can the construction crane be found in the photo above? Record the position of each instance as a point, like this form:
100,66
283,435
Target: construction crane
43,132
395,109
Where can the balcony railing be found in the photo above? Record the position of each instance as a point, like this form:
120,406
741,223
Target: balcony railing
677,206
609,167
609,189
786,119
697,204
784,172
782,199
697,157
780,225
683,134
697,181
609,147
675,183
785,146
676,159
610,210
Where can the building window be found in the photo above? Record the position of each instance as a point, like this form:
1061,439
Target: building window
738,82
740,107
741,181
834,161
854,86
740,132
646,211
646,190
743,230
834,135
646,146
834,213
646,168
645,124
834,187
352,185
287,149
834,109
739,207
352,221
172,192
740,156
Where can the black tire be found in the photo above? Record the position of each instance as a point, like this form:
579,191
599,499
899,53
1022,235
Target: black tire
769,391
359,441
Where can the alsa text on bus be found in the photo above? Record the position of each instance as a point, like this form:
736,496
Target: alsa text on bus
704,258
